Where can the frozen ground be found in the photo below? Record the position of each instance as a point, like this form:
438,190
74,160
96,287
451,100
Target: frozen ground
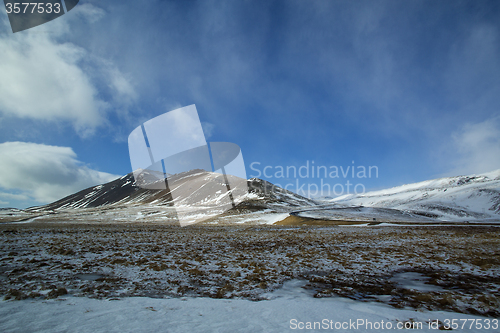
428,268
290,309
141,213
366,214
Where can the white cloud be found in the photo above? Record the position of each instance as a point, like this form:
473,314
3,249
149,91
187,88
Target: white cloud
89,12
41,80
44,78
12,196
478,146
121,85
44,173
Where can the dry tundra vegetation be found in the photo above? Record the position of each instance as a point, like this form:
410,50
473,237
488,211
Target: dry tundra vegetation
110,261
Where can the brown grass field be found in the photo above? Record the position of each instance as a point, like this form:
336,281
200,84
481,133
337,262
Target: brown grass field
46,260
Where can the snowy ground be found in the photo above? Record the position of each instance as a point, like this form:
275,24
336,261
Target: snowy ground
144,213
225,278
290,309
370,214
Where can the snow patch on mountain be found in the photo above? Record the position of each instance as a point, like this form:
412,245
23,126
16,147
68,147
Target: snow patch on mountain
461,198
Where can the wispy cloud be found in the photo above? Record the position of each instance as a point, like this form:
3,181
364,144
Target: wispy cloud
478,147
46,78
43,173
14,196
41,80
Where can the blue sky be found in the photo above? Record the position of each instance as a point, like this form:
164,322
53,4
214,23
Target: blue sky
412,88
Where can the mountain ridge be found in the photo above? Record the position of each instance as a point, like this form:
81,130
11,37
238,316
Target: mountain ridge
456,198
459,198
124,190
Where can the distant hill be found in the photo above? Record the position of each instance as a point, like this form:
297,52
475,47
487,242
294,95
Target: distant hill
474,197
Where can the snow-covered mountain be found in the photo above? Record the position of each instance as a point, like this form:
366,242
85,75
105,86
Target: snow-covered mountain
475,197
462,198
124,191
122,201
